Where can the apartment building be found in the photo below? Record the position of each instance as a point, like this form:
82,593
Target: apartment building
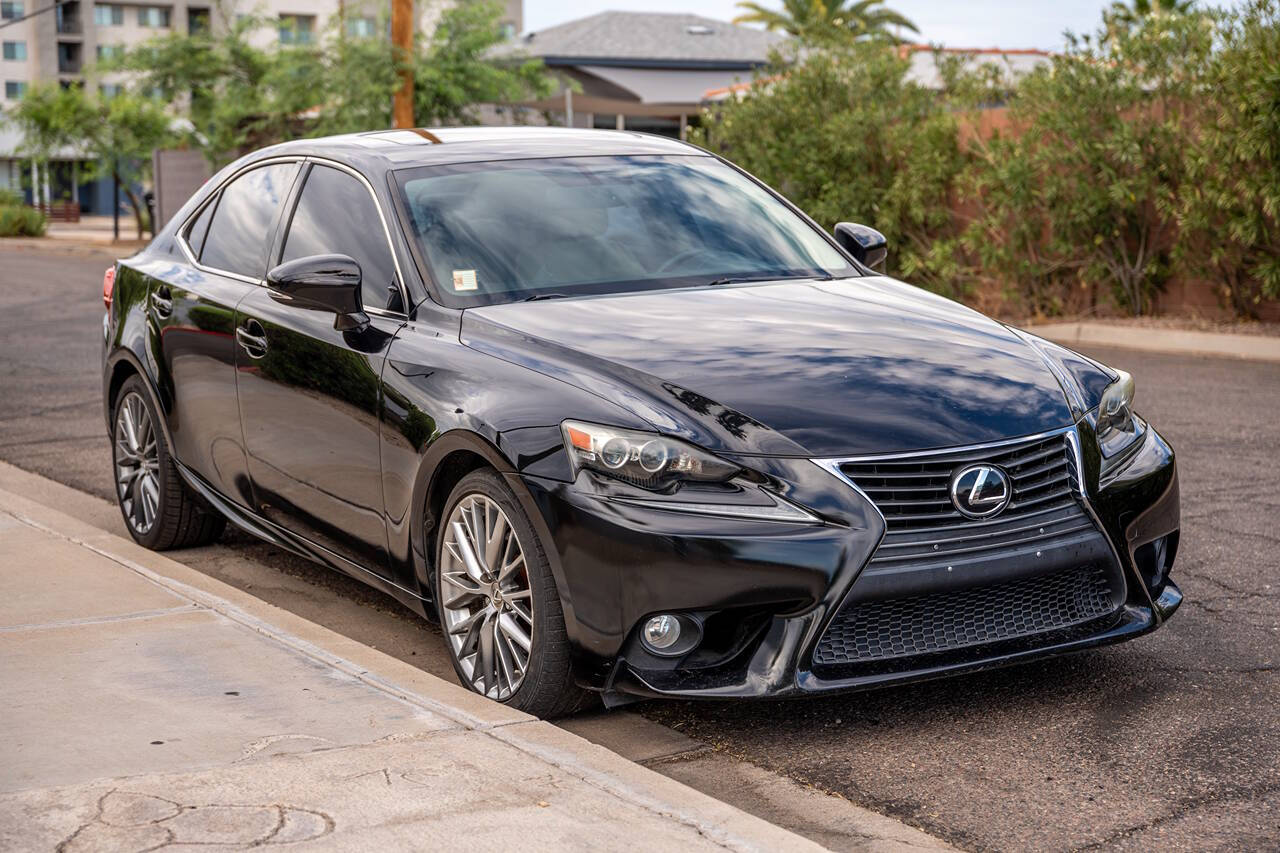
47,40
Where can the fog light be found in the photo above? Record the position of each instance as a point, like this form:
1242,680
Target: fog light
661,632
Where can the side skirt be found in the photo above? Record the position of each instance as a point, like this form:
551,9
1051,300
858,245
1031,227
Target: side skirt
260,527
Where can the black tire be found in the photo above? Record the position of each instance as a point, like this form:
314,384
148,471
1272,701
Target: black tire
181,519
547,689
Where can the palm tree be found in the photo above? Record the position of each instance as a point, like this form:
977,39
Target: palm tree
814,20
1135,10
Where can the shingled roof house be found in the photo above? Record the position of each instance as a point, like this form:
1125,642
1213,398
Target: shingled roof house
640,70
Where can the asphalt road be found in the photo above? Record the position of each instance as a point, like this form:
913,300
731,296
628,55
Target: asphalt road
1172,740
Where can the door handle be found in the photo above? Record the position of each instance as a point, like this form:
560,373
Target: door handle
162,301
253,338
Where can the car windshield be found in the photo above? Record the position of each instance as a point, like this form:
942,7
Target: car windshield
513,230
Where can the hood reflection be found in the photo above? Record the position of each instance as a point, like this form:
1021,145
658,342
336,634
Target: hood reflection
863,365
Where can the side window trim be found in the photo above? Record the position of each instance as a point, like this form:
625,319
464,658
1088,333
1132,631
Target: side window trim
211,205
382,216
216,197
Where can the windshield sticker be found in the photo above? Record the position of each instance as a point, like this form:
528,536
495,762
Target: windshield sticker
464,279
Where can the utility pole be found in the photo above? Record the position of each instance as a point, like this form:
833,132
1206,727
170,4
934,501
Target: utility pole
402,45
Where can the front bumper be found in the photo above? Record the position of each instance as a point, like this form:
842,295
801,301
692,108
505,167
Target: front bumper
766,592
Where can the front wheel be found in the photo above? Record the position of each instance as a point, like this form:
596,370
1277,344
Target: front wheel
498,602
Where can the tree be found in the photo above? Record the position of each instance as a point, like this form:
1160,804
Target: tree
453,74
240,96
116,135
1081,191
822,20
846,136
1136,11
1229,209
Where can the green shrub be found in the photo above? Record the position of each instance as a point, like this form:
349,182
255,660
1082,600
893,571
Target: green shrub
1080,193
18,221
846,137
1229,210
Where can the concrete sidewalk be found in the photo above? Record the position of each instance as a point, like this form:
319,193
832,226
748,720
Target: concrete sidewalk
1178,341
145,704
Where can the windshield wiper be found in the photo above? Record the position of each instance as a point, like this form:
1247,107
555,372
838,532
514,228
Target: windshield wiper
538,296
745,279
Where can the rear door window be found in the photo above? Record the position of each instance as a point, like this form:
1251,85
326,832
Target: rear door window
337,215
197,230
240,233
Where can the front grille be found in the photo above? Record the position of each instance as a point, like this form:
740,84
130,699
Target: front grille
943,582
914,492
873,631
922,525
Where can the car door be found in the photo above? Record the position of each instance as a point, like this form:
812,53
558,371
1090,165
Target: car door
309,393
192,311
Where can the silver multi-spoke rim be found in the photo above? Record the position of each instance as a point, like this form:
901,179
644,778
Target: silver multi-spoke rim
137,461
485,597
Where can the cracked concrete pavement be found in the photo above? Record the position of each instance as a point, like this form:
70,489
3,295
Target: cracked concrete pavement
147,706
1169,740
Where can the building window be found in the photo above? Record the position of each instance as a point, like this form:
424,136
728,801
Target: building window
15,50
110,51
110,90
197,21
153,17
10,9
69,57
14,89
507,29
362,28
108,16
297,29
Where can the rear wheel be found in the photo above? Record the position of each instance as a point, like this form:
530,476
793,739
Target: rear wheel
158,508
498,602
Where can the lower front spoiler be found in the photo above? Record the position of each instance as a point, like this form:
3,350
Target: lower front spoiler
1132,621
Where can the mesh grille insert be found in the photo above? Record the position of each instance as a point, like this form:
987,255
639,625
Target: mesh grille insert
872,631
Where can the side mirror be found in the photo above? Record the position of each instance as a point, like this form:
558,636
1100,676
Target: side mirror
322,283
867,245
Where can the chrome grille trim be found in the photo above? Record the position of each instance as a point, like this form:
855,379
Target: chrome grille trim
912,491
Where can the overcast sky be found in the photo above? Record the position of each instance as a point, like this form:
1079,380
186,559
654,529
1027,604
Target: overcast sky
971,23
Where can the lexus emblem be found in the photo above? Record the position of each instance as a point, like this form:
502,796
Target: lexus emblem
980,491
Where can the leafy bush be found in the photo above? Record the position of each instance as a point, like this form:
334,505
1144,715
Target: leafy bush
1229,210
19,221
1080,192
847,137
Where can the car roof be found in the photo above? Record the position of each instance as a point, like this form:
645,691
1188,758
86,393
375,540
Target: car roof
397,149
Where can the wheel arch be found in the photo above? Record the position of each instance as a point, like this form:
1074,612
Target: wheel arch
450,458
121,365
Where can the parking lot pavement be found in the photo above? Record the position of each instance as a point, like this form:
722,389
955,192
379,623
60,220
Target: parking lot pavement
1168,740
131,721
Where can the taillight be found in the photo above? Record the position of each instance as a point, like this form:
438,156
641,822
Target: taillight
108,285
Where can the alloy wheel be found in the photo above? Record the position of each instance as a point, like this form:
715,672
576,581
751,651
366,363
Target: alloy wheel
137,458
486,599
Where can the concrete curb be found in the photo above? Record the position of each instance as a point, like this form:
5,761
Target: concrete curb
570,754
1219,344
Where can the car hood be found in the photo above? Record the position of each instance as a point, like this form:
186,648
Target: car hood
814,368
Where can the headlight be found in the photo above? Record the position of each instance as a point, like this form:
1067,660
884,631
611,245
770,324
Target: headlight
1117,426
643,459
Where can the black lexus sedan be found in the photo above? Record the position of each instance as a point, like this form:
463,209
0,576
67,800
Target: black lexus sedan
625,421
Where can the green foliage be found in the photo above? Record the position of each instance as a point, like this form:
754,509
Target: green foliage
19,221
1229,210
821,21
1137,11
1081,191
845,136
115,135
452,74
243,96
